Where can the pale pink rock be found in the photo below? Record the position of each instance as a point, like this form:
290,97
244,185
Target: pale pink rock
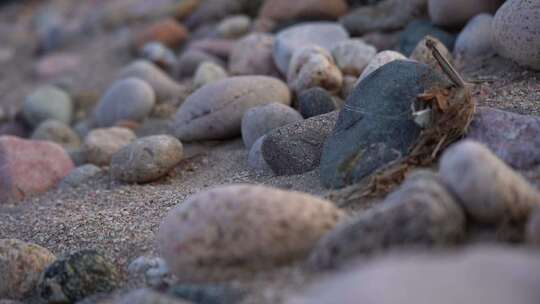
30,167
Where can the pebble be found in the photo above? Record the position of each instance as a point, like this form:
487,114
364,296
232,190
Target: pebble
255,157
512,137
421,212
481,274
285,10
206,73
516,32
375,125
190,60
418,30
209,12
297,148
215,111
165,88
352,56
154,126
456,13
146,159
160,55
252,55
47,102
234,27
153,269
220,47
386,16
167,32
533,228
349,83
80,175
382,40
276,227
258,121
474,41
147,296
14,128
55,65
315,101
208,293
30,167
288,41
57,132
21,264
312,67
424,55
127,99
77,276
378,61
100,144
490,191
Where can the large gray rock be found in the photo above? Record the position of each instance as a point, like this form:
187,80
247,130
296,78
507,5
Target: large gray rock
127,99
516,32
512,137
323,34
297,148
376,126
215,111
47,102
259,121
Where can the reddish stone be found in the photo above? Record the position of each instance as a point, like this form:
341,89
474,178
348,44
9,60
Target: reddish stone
285,10
169,32
221,48
30,167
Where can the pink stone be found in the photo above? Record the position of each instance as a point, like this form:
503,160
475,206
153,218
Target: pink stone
30,167
218,47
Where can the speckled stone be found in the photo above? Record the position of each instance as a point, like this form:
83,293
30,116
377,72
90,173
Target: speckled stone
516,32
77,276
277,227
146,159
21,265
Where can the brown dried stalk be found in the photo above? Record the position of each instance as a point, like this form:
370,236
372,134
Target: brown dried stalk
452,113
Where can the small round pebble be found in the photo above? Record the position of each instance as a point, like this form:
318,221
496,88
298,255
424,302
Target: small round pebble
315,101
57,132
313,67
208,72
219,233
100,144
146,159
352,56
379,60
21,265
234,26
77,276
127,99
260,120
159,55
47,102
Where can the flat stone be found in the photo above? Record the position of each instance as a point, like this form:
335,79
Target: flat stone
215,111
376,126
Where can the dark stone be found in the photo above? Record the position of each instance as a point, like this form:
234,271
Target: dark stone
375,126
417,30
207,294
77,276
315,101
514,138
296,148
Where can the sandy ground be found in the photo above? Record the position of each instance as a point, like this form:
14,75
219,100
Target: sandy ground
121,219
